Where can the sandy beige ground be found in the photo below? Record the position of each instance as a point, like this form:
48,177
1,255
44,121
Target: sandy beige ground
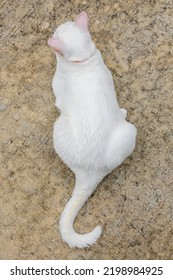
134,204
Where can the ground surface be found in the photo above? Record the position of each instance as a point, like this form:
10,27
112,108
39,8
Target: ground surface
134,204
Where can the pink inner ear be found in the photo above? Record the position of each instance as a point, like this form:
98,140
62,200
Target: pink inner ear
55,44
82,21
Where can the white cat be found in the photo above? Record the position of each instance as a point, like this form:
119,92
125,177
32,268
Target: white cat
91,135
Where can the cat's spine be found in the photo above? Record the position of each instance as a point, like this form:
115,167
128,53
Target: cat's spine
81,193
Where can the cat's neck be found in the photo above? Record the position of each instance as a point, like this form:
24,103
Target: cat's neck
92,61
86,59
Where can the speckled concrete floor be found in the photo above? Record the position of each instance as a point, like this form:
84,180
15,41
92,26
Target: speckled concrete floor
135,202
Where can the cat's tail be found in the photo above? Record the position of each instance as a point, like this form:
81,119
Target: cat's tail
80,195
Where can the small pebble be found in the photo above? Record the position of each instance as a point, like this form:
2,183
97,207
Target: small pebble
44,26
3,107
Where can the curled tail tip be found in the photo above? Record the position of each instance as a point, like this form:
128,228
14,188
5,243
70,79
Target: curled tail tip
82,240
88,238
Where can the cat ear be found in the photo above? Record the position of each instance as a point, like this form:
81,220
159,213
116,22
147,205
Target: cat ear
55,44
82,21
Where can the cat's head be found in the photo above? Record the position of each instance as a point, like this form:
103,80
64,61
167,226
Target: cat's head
72,40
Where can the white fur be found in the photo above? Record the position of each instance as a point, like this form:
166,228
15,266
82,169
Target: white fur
91,135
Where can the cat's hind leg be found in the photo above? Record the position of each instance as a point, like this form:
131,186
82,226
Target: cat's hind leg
124,112
121,144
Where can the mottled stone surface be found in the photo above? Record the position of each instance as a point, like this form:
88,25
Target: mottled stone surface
134,203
